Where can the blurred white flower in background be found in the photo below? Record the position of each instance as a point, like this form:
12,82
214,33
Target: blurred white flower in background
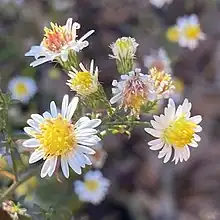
94,187
160,3
15,2
62,5
190,32
22,88
158,59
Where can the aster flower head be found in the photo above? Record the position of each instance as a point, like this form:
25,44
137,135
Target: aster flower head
14,210
84,82
133,91
124,50
94,187
22,88
58,41
58,141
160,3
158,59
190,32
175,130
163,84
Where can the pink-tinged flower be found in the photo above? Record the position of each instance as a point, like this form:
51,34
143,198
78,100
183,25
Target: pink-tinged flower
58,41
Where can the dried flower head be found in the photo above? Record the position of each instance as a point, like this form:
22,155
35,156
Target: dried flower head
133,91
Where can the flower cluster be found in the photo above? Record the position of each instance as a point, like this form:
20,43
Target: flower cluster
187,32
69,139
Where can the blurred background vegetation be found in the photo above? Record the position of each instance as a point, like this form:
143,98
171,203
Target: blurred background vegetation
142,187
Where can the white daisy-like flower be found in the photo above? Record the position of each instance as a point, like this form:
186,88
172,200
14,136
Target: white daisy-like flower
94,187
159,60
175,131
133,91
57,43
163,84
160,3
57,140
190,32
99,158
22,88
124,48
84,82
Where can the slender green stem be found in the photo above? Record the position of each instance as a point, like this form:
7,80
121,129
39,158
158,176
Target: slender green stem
15,185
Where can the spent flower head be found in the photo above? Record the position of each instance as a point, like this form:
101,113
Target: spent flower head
163,84
133,91
22,88
58,141
124,50
84,82
175,130
58,41
14,210
94,187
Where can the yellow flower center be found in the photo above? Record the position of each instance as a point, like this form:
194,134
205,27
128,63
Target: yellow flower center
172,34
56,37
56,137
180,132
179,86
192,32
21,89
83,83
91,185
162,80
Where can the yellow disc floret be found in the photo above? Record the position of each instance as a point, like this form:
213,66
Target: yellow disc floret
21,89
56,137
180,132
84,83
192,32
172,34
91,185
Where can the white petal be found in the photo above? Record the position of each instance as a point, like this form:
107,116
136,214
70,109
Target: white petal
156,125
85,132
40,61
31,143
64,105
193,144
47,115
197,137
64,55
157,146
46,168
85,150
33,124
80,160
164,151
64,166
90,124
30,131
53,164
89,141
196,119
87,161
69,25
154,142
186,153
38,118
116,98
86,35
81,121
198,128
53,109
72,107
36,156
153,132
73,164
168,155
91,66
